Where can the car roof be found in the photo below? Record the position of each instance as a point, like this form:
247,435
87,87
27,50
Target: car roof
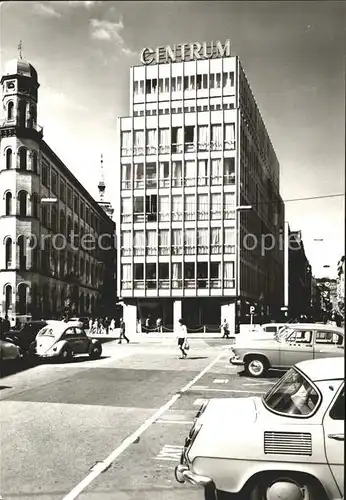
324,368
275,324
317,326
59,327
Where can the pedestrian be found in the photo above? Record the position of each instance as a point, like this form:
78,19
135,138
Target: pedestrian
122,331
6,325
94,327
91,322
112,326
225,329
182,339
159,325
106,325
147,324
99,326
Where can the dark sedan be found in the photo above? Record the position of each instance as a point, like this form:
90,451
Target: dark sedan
24,336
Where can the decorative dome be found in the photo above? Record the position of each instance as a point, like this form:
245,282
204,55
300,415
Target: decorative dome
20,67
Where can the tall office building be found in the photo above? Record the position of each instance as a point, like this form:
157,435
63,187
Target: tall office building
194,152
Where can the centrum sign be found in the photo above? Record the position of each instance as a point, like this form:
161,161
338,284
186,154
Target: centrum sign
185,52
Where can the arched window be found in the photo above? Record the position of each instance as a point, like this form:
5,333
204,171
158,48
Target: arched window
87,271
8,203
10,108
22,298
75,229
22,198
8,298
23,159
21,252
81,267
34,205
62,222
34,162
87,302
21,113
8,253
32,118
8,158
54,219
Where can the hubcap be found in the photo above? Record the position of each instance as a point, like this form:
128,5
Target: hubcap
256,367
287,490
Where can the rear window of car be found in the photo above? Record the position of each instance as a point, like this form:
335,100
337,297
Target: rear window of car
293,395
46,332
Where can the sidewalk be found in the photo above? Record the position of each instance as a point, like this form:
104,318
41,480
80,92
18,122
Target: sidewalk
156,336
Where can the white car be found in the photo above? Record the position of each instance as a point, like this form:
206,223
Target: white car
288,445
266,331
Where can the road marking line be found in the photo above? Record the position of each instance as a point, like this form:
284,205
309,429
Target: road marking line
221,381
199,402
162,421
170,452
102,466
233,390
261,383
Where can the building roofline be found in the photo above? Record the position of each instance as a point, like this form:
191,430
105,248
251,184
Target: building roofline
69,175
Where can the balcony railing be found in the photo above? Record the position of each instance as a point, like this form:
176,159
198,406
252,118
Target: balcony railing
216,180
164,283
126,218
229,248
190,215
190,181
177,216
202,215
215,249
189,283
177,249
151,284
190,249
125,184
177,182
138,284
138,150
177,283
126,252
190,147
177,148
202,283
163,216
138,184
151,182
164,250
215,146
126,151
229,145
203,249
229,179
203,181
151,250
151,150
164,182
229,214
228,283
163,150
138,251
215,283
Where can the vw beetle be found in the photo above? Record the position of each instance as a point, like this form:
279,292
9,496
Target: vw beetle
64,340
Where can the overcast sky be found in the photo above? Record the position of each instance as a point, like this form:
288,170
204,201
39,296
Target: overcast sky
293,54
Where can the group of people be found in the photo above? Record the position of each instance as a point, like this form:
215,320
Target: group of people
99,326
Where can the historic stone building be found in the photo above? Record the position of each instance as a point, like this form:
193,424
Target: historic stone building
58,243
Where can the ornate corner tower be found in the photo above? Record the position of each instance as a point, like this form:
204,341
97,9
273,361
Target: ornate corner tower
20,139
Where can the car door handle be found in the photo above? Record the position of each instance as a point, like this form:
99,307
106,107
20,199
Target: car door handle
338,437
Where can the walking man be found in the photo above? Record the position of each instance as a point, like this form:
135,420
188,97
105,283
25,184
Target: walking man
182,339
225,329
122,331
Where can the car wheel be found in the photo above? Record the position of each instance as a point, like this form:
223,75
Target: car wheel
302,488
95,351
66,355
256,367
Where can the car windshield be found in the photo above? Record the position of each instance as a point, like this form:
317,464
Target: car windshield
293,394
47,331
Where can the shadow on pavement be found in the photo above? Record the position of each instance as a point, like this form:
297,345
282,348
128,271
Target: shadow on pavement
197,357
12,367
269,374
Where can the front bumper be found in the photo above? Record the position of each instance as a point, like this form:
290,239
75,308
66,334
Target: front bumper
183,474
234,360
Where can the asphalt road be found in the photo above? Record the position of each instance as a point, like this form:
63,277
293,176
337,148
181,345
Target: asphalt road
59,423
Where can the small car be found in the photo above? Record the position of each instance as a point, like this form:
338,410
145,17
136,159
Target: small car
10,351
24,336
287,445
297,342
64,340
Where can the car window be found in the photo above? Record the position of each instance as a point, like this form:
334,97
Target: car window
46,332
293,395
70,332
328,338
270,329
300,336
338,410
80,332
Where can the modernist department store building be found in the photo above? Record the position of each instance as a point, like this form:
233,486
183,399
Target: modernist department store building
193,151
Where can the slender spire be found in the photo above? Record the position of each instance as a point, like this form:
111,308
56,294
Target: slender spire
101,185
20,47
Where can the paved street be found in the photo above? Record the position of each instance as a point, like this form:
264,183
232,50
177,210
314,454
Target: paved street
59,423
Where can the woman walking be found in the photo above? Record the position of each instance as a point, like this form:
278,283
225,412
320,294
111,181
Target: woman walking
182,338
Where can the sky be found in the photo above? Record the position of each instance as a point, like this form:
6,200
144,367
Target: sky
292,52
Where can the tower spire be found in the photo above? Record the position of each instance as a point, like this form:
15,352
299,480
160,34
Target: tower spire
101,185
20,47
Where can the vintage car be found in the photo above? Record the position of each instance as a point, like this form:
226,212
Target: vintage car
25,335
64,340
266,331
296,343
9,351
288,445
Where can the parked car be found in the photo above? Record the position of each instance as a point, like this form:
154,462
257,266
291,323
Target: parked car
266,331
287,445
24,336
298,342
63,341
10,351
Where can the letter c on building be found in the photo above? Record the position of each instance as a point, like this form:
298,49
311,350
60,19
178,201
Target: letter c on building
147,55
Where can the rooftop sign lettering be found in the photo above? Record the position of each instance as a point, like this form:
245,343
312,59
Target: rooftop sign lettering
185,52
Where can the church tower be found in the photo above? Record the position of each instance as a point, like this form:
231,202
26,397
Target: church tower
106,205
